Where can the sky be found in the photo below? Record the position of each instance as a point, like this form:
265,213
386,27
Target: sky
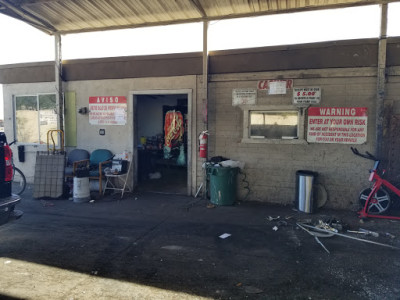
23,43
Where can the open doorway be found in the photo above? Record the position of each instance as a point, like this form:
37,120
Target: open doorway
161,137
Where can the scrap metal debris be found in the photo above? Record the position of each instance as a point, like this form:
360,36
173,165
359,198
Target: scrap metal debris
365,232
315,235
348,236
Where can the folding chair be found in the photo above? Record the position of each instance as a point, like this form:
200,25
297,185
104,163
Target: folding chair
119,182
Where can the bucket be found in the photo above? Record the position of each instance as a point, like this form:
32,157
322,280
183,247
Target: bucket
81,191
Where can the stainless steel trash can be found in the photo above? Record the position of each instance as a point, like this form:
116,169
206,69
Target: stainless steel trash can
305,199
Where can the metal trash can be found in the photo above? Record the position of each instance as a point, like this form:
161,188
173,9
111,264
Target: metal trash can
305,199
223,185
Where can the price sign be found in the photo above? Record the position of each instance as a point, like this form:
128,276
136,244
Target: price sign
307,95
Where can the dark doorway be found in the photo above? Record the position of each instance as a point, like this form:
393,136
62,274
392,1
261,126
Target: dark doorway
162,143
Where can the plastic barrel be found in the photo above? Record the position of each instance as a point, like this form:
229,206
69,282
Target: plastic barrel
304,191
81,191
223,185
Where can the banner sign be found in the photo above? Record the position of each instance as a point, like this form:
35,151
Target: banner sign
107,110
307,95
275,86
244,96
338,125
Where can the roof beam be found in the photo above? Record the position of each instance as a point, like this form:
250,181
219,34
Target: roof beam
199,8
28,17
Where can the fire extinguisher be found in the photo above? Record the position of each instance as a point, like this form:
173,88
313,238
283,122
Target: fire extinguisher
203,144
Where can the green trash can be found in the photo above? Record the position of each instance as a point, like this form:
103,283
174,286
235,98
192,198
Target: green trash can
223,185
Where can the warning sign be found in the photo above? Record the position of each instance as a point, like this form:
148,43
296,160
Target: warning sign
107,110
340,125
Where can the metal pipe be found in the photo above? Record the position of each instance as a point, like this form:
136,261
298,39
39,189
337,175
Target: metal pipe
381,78
349,237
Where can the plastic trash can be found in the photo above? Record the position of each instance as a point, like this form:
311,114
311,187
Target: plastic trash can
305,198
223,185
81,191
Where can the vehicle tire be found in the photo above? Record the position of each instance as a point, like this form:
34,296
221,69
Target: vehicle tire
378,204
19,182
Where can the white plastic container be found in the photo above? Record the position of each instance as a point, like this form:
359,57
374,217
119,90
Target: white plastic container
81,191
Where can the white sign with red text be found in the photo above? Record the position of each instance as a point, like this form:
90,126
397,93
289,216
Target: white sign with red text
107,110
275,86
337,125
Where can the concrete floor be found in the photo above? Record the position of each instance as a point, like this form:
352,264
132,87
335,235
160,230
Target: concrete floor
154,246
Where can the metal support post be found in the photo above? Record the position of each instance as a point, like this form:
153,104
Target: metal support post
381,81
58,81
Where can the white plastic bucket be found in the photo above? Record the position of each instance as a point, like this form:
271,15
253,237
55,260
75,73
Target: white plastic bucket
81,191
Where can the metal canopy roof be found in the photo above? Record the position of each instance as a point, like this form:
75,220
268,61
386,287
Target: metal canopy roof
72,16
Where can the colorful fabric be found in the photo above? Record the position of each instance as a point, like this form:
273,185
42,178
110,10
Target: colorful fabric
173,128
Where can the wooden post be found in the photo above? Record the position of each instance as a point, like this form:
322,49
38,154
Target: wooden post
381,80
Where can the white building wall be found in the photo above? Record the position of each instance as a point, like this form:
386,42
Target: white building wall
117,138
9,91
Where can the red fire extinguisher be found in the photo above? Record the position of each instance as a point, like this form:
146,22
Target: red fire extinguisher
203,144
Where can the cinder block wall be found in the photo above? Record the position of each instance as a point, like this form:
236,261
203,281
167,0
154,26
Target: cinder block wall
271,168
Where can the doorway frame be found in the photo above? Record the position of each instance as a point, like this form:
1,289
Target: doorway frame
189,92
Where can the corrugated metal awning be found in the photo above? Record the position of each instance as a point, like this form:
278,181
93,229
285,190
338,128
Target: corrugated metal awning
72,16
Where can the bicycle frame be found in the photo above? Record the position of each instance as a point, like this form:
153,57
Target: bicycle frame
378,182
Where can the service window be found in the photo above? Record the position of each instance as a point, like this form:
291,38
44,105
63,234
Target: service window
273,124
34,117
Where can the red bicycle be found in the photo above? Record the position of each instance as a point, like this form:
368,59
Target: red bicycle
376,200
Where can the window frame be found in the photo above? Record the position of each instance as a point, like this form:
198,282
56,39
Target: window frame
37,95
246,138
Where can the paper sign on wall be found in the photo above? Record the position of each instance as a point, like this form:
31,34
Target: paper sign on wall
107,110
275,86
244,96
340,125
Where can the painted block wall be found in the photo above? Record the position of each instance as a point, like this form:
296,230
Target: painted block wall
271,168
116,138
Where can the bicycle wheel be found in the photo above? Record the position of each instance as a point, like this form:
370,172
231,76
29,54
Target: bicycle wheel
19,182
378,204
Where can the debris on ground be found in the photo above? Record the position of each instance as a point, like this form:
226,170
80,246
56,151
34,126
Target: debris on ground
224,235
252,290
46,203
390,235
347,236
365,232
270,218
